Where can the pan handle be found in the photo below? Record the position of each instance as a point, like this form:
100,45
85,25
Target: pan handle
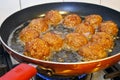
20,72
45,71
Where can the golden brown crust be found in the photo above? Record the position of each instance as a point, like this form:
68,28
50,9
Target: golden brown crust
75,40
85,29
103,39
53,17
55,41
39,25
72,20
28,34
92,51
109,27
93,20
37,48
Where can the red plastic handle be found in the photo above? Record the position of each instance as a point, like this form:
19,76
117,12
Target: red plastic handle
20,72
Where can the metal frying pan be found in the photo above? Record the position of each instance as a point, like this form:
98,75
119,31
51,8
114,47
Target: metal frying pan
59,68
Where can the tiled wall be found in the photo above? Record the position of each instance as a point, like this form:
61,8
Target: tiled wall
115,4
8,7
86,1
26,3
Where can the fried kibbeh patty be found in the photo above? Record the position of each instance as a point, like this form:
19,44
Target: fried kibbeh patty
103,39
37,48
72,20
54,40
92,51
85,29
109,27
28,34
39,25
75,40
93,20
53,17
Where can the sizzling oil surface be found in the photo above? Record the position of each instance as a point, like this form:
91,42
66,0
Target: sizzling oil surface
64,55
14,41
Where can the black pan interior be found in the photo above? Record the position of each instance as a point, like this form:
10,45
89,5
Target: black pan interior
82,9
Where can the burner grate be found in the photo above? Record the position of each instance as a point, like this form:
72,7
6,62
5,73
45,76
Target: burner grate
43,77
5,61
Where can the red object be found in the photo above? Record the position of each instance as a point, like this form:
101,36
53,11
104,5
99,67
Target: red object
20,72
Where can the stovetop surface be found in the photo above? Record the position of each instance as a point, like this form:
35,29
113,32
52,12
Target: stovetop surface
6,65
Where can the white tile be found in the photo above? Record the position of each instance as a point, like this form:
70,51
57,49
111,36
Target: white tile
115,4
28,3
8,7
86,1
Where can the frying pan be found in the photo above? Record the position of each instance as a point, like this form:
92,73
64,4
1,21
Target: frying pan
59,68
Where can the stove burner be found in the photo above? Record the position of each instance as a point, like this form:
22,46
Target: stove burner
40,76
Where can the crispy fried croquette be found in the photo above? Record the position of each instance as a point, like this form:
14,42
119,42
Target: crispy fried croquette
28,34
92,51
103,39
109,27
54,40
53,17
39,25
72,20
75,40
93,20
85,29
37,48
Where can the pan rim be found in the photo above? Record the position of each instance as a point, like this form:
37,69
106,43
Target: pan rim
52,61
68,3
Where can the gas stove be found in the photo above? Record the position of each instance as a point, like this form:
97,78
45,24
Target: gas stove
111,73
